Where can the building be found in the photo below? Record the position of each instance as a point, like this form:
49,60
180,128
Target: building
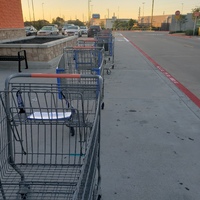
162,22
11,20
189,24
169,22
106,23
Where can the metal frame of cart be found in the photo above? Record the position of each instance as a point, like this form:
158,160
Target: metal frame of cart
82,60
39,159
106,39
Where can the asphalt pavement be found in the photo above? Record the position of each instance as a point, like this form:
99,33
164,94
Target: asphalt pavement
149,132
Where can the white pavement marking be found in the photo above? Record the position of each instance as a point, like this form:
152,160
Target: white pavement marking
126,39
122,40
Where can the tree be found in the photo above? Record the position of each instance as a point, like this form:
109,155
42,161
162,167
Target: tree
195,10
76,22
37,24
116,24
102,25
196,17
120,25
131,22
59,21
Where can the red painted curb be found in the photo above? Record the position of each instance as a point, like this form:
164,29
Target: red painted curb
189,94
178,35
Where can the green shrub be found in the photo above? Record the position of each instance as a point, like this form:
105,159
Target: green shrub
172,32
179,31
190,32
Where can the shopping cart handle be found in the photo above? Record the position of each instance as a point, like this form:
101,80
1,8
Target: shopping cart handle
42,75
46,75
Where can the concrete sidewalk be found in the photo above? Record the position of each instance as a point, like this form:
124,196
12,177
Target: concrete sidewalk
12,68
150,133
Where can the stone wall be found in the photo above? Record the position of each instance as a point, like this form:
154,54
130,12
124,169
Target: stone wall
6,34
39,53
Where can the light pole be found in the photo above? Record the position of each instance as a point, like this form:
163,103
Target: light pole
143,8
29,11
43,10
118,13
89,12
152,14
91,9
33,11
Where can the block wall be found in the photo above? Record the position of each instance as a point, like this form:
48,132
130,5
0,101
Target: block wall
11,14
11,20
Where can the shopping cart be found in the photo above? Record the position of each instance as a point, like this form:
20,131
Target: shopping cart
92,42
106,39
83,60
86,42
39,159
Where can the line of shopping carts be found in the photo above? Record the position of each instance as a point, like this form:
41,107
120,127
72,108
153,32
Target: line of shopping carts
105,40
82,60
50,129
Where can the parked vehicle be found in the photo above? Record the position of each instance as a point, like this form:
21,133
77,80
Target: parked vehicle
84,29
30,30
55,25
48,30
73,30
93,30
65,27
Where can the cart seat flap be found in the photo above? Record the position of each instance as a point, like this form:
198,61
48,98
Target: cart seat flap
50,115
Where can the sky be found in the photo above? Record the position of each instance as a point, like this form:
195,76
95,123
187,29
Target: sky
78,9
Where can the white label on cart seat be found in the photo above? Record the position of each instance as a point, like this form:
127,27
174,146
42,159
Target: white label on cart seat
50,115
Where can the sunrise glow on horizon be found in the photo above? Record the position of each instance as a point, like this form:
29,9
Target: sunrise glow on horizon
78,9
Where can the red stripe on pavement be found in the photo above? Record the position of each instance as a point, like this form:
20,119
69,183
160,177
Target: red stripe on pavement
189,94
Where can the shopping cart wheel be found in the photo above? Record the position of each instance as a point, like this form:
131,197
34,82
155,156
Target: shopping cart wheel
72,131
23,196
24,190
108,71
102,106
